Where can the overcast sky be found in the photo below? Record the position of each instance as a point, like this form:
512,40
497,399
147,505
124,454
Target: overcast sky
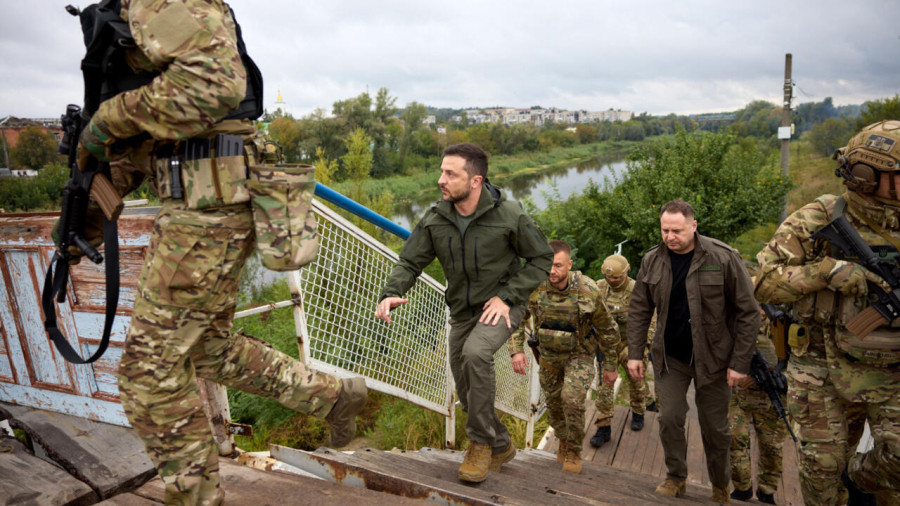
644,56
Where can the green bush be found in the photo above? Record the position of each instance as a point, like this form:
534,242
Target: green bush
40,193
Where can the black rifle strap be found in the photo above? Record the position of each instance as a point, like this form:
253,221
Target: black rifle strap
55,287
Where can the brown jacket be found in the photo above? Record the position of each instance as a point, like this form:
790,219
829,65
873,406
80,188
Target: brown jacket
724,314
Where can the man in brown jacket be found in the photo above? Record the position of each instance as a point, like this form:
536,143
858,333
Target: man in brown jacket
708,319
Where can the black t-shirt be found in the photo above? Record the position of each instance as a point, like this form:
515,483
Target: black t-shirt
679,344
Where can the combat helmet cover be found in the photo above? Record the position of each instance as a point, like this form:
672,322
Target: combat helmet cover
615,266
877,145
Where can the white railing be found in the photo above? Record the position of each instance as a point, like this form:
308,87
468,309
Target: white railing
334,302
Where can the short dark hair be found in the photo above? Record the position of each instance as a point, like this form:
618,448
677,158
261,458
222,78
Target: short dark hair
476,158
678,206
561,246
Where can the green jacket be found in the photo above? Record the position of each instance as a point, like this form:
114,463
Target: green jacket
484,262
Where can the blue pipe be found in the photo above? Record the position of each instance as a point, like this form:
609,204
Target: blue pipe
326,193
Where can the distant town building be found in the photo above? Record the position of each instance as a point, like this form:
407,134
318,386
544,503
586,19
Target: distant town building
539,117
11,127
281,105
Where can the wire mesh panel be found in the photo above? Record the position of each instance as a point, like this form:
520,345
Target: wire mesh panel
406,358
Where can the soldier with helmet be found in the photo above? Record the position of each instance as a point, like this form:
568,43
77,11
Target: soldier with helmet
837,377
615,288
570,320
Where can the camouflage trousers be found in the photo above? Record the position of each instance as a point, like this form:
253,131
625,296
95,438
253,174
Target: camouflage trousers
751,406
565,381
638,391
829,426
181,330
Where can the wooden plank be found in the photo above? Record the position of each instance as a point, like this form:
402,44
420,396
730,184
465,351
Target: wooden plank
790,488
244,485
694,451
26,479
109,458
654,447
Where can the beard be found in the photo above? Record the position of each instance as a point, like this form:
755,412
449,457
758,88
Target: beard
453,198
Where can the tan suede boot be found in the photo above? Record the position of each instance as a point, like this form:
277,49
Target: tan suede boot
342,417
573,461
671,488
476,463
720,495
503,457
561,452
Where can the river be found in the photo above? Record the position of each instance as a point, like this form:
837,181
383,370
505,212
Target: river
567,181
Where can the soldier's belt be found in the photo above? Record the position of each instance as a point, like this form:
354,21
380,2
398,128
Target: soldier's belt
203,172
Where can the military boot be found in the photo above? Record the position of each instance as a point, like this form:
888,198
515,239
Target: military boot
342,418
762,496
720,495
601,437
561,451
742,495
671,488
637,421
498,459
573,461
476,463
652,407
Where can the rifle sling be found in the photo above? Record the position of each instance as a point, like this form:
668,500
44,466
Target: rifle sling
55,286
839,209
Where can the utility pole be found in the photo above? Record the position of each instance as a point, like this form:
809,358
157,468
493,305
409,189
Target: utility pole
784,133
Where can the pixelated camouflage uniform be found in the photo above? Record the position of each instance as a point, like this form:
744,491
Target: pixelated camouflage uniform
751,406
567,358
182,317
639,393
830,394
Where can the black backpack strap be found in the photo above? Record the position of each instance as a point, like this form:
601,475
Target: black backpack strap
55,288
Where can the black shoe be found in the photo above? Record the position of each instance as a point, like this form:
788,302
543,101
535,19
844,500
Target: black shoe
602,435
742,495
637,421
764,497
857,496
652,407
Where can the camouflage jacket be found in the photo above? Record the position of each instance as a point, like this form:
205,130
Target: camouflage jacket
617,302
724,314
790,273
573,321
193,45
484,262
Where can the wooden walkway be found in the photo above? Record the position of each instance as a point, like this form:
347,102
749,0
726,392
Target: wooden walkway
641,452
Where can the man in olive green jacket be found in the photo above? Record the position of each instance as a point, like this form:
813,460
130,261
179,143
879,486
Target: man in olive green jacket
481,240
705,332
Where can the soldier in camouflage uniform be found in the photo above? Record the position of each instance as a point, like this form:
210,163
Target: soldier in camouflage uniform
615,288
837,380
186,297
750,405
570,321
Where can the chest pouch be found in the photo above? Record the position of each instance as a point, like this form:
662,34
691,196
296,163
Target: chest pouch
281,198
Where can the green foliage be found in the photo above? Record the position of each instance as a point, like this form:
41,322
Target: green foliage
35,149
877,110
40,193
831,134
731,186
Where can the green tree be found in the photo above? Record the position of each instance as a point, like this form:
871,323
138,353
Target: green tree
876,110
831,134
35,148
285,131
411,117
732,186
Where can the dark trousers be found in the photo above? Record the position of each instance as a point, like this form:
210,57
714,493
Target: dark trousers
472,348
712,409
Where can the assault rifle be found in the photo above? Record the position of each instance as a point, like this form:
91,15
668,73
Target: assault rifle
773,383
85,184
884,306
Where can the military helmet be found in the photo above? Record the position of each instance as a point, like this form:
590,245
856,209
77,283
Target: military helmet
876,148
615,266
